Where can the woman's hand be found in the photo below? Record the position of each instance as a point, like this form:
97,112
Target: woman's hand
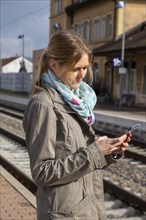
113,145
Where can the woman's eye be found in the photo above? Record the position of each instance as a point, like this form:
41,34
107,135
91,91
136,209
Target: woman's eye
75,69
80,68
84,68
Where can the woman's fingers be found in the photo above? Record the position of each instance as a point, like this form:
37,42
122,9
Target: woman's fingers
120,148
119,151
122,139
128,139
110,145
121,144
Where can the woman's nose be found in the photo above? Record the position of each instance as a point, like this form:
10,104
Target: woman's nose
82,72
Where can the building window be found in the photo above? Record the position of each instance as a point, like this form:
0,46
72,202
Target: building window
80,1
108,78
124,79
57,7
75,1
109,26
144,80
85,30
95,73
97,29
95,77
77,28
81,29
130,77
124,83
103,27
106,26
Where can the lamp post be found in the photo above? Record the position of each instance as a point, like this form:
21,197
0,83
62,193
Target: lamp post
22,37
23,63
122,69
22,68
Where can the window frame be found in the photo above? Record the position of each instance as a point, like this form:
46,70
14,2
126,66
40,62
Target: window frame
57,7
109,25
144,80
96,34
103,27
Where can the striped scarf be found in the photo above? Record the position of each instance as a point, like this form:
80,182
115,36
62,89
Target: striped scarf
81,100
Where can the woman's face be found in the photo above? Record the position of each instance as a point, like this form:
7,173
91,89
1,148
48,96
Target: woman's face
73,77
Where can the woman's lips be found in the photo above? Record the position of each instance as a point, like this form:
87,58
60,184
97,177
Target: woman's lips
76,81
79,80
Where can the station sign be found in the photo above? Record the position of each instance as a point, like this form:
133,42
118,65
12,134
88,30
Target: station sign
116,62
122,70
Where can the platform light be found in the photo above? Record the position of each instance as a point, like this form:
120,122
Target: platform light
22,37
122,56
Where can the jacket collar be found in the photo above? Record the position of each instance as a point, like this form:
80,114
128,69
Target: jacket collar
61,105
56,97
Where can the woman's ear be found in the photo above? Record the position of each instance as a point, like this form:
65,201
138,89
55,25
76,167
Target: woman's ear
52,64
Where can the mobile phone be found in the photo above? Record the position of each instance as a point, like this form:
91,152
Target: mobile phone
133,128
130,130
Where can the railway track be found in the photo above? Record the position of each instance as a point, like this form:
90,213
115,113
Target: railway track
136,150
12,112
120,203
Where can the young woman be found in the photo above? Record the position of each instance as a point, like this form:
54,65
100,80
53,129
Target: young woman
66,157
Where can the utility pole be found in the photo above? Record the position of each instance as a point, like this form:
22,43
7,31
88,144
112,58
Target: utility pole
122,69
22,37
22,68
0,39
23,63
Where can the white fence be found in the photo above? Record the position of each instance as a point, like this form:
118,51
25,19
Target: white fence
17,82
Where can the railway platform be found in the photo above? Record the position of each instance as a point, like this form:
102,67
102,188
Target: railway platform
109,117
21,205
17,202
117,120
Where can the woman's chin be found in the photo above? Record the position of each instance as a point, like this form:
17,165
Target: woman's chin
75,86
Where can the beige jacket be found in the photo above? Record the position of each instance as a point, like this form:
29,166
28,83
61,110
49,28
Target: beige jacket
65,161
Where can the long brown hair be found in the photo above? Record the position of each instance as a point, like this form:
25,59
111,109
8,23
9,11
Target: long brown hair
67,48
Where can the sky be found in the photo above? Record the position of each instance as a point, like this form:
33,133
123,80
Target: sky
23,17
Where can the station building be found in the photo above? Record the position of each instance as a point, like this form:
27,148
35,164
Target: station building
134,79
99,23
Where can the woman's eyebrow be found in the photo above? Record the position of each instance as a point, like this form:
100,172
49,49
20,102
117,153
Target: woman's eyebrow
79,68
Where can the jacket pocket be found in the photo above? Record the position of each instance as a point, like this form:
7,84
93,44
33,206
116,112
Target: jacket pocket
62,150
59,216
86,209
81,206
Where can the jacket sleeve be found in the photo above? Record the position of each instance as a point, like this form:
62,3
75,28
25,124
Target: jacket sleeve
40,127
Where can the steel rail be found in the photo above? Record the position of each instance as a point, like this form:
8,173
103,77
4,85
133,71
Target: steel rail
13,137
111,134
129,154
14,112
125,195
19,175
109,187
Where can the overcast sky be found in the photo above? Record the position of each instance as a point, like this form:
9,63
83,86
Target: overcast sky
28,17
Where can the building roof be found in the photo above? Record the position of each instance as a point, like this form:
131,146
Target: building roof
77,5
5,61
8,60
135,41
15,64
